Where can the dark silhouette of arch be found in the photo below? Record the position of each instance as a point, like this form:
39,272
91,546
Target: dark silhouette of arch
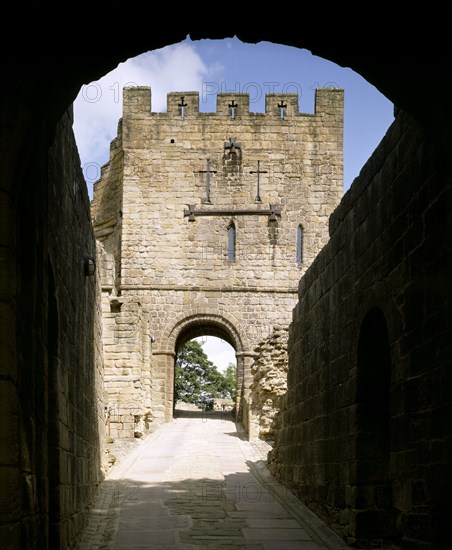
374,511
40,89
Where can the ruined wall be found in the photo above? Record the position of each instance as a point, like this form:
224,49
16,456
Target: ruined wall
199,237
364,437
50,455
106,213
269,384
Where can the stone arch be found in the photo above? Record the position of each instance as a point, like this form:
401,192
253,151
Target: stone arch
188,325
32,106
393,73
373,504
381,296
373,382
208,323
378,327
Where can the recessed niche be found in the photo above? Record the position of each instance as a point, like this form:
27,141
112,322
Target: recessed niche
115,306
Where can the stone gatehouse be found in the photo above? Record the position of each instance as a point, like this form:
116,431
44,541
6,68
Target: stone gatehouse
386,269
206,222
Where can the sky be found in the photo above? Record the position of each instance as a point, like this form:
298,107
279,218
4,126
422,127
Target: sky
218,351
212,66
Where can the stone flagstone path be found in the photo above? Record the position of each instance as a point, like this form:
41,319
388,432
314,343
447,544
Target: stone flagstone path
198,484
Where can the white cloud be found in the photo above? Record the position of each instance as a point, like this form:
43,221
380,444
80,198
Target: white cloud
98,106
218,351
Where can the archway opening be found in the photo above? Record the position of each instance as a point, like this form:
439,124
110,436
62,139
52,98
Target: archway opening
373,505
219,351
205,376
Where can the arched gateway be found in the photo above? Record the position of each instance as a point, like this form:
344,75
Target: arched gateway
191,325
197,217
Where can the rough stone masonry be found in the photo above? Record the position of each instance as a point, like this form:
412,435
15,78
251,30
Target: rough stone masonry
206,221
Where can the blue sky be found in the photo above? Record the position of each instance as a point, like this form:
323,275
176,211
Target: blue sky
211,66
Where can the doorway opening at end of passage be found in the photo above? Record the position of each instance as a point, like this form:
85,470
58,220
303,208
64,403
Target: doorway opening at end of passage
205,378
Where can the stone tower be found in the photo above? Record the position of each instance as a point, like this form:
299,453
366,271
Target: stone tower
205,224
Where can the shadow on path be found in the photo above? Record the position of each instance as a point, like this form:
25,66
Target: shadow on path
191,486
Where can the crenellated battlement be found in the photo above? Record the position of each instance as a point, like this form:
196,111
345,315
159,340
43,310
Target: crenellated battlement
138,101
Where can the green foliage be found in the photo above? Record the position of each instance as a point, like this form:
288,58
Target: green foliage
230,376
197,380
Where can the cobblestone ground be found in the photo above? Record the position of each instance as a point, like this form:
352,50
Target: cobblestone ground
198,484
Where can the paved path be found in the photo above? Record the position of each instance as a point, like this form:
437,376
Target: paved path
198,484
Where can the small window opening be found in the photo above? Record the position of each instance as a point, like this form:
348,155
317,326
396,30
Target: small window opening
231,241
300,245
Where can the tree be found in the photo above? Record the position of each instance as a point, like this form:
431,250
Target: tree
197,380
230,376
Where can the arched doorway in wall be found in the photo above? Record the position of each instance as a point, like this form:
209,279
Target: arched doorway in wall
373,504
395,81
192,334
205,376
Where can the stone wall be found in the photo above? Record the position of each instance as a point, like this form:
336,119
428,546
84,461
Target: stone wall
76,408
50,458
192,237
364,436
269,384
223,405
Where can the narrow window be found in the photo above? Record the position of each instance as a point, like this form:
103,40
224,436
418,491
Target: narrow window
300,245
231,242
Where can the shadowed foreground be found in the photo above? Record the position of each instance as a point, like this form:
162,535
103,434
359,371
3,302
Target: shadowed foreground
197,483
